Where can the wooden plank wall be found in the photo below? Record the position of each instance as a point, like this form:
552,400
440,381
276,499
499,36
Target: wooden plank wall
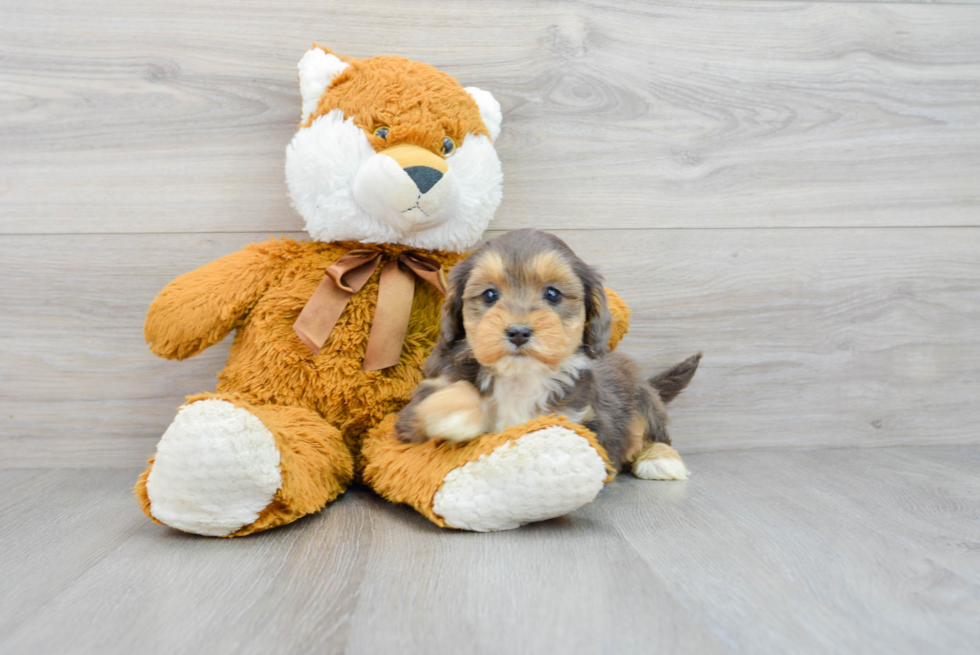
792,187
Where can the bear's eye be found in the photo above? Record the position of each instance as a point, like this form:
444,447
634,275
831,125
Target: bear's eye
490,296
382,131
448,147
552,295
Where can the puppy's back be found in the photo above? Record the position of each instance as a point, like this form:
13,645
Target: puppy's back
617,385
629,411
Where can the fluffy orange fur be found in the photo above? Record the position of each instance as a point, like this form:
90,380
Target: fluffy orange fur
260,291
411,474
620,315
373,92
315,463
318,407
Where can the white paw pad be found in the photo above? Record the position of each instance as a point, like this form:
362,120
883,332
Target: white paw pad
216,468
542,475
661,469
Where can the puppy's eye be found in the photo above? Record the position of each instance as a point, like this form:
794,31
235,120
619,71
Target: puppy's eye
382,131
448,147
490,296
552,295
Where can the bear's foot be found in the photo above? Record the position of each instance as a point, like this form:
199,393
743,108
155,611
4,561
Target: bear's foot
541,475
216,469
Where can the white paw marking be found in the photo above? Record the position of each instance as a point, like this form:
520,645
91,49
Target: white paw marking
542,475
455,426
661,469
216,468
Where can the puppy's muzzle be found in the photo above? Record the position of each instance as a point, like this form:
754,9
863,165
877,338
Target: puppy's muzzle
519,334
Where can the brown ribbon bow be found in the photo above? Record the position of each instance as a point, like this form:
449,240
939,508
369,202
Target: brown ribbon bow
396,289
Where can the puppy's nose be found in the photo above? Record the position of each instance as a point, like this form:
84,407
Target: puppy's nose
424,177
518,334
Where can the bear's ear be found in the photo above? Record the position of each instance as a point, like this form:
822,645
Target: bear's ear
317,71
489,110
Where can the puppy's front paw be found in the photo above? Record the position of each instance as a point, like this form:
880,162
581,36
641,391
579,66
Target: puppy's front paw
660,462
454,413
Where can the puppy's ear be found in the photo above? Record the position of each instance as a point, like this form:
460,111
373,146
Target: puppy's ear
598,319
451,329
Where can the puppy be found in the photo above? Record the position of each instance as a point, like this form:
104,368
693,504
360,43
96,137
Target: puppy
525,332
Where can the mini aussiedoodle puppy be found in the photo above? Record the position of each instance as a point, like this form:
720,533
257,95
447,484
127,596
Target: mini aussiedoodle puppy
525,331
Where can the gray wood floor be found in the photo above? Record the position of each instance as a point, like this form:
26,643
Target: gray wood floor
825,551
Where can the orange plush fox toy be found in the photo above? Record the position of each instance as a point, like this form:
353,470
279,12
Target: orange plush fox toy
394,170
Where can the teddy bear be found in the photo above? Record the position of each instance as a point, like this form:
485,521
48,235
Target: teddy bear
394,171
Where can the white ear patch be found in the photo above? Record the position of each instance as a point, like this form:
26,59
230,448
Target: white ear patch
489,110
317,71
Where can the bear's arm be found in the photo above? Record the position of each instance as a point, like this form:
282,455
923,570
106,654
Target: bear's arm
620,318
198,309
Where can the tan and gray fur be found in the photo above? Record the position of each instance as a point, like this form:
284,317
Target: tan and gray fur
525,331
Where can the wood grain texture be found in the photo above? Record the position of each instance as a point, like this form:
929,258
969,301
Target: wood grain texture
811,337
836,551
149,117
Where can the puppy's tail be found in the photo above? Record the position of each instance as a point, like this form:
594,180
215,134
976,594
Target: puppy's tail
672,381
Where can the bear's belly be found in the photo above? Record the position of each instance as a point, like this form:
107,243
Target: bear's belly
270,365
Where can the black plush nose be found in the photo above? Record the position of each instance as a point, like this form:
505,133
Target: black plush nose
424,177
518,334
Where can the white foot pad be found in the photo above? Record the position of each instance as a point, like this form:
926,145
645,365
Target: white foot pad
216,468
544,474
661,469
